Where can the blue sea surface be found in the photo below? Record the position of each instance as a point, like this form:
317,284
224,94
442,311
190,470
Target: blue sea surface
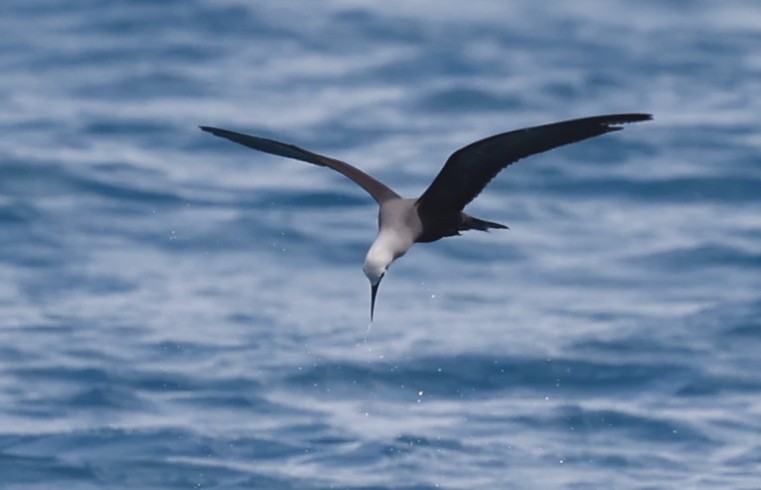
177,311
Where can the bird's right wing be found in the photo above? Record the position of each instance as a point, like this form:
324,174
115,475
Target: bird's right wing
379,191
469,169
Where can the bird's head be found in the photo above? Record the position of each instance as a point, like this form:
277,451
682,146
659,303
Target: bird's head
376,265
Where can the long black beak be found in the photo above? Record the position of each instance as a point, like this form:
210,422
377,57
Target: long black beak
373,292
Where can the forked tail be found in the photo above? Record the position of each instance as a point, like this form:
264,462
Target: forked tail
471,223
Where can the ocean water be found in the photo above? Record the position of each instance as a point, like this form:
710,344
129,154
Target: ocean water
177,311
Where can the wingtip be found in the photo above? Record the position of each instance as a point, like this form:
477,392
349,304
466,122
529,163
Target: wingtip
215,131
616,122
634,117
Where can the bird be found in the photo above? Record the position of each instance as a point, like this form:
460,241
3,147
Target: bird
438,212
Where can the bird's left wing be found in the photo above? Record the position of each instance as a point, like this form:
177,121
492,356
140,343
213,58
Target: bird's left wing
471,168
378,190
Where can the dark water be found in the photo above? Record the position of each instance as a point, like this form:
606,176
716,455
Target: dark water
178,312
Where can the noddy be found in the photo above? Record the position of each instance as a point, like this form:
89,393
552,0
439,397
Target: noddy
438,212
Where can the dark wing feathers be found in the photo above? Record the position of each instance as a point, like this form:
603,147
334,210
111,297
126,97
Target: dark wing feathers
469,169
379,191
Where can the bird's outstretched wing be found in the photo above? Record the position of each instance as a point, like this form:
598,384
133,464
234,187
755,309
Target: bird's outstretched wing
469,169
379,191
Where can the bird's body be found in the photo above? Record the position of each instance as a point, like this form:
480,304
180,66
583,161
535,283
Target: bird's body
398,228
438,212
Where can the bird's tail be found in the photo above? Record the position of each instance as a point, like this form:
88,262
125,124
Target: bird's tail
471,223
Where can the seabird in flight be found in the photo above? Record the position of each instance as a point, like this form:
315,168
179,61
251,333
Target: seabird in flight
438,212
